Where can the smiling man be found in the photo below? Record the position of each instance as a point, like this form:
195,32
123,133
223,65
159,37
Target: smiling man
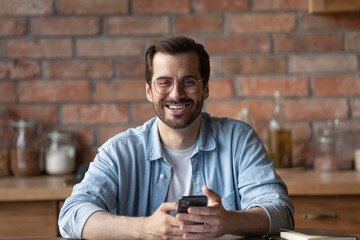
132,187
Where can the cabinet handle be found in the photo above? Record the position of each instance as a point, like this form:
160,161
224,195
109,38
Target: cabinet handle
319,215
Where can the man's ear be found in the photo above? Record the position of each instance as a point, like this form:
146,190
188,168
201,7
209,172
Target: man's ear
206,91
149,92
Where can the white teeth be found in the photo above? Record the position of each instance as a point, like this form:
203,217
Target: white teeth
177,107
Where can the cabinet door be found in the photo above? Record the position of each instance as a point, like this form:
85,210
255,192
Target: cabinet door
338,213
28,219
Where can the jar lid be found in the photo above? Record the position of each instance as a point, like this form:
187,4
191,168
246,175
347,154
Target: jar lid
59,135
22,123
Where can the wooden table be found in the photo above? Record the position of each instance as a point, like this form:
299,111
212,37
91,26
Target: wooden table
329,200
29,207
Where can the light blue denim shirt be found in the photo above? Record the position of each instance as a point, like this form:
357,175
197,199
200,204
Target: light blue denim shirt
130,175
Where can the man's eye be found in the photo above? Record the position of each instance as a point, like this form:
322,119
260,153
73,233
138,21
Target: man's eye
164,83
189,82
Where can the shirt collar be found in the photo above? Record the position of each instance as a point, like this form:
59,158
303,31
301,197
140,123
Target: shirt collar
205,142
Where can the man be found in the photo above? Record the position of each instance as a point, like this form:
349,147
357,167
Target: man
132,187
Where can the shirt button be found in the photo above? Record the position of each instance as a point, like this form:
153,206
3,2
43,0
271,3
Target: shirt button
162,175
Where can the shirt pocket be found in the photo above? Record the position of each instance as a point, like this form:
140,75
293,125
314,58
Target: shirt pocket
228,201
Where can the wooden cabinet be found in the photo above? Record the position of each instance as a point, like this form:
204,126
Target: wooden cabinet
29,207
328,200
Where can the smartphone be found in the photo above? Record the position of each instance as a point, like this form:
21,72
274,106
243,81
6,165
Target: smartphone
187,201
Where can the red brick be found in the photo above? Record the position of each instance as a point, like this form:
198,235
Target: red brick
254,44
253,65
261,22
316,109
79,69
353,41
137,25
161,6
93,6
12,27
121,90
221,88
198,24
308,42
323,63
131,68
19,69
110,47
72,26
48,48
25,7
143,112
266,86
337,85
330,21
43,113
7,92
54,91
356,108
105,133
220,5
261,5
260,110
95,113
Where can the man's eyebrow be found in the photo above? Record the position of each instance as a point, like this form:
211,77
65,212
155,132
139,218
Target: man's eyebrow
182,77
164,77
189,76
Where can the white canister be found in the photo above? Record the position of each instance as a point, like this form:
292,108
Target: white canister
60,152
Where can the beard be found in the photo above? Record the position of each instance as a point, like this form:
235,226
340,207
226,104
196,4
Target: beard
173,123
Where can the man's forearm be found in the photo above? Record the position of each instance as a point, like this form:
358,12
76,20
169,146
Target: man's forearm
254,221
104,225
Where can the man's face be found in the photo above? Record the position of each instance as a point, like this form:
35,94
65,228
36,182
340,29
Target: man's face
177,109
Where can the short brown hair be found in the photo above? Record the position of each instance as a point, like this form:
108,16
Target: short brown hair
174,45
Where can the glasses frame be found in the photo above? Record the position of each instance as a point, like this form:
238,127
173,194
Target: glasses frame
173,83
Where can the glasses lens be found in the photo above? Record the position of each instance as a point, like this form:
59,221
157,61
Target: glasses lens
163,86
188,85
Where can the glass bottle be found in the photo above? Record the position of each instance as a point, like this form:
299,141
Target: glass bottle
25,155
279,137
59,152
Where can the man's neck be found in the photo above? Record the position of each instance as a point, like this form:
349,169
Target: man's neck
179,139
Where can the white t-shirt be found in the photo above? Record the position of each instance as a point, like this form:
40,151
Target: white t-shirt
181,173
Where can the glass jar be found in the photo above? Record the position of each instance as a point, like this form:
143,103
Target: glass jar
60,148
325,150
25,155
334,148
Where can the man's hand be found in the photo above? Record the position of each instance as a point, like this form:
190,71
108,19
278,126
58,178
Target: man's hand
204,222
162,225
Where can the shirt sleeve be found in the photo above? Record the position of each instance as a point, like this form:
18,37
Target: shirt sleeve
88,198
259,185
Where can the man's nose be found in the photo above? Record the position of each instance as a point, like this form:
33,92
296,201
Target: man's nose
177,90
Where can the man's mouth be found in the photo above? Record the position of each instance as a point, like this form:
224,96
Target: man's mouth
176,107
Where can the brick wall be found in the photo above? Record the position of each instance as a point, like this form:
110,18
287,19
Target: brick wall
78,64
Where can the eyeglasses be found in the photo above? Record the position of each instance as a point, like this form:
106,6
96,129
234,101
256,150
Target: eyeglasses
187,84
